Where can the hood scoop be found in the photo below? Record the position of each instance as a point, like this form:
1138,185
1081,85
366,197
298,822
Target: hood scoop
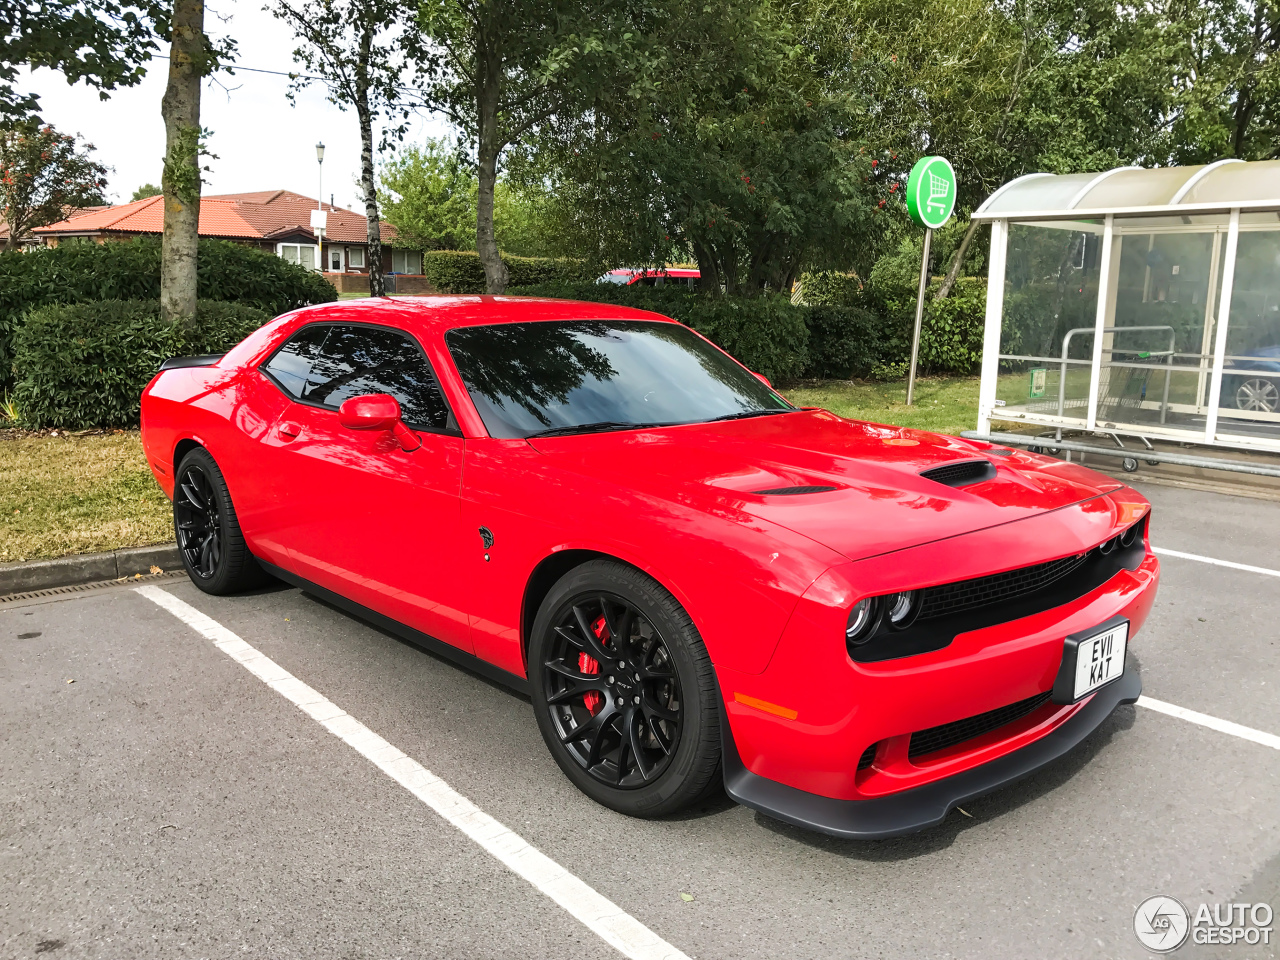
961,474
792,491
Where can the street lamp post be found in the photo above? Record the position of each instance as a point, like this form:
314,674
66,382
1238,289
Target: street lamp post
319,219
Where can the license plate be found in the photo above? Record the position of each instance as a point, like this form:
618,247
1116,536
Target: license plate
1100,659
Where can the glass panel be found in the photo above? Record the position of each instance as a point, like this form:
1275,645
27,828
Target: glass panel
586,376
355,256
289,251
1238,182
358,360
1137,188
1157,354
291,364
1250,398
307,257
1050,307
1041,193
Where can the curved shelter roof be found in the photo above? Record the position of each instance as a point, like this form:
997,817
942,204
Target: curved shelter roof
1212,187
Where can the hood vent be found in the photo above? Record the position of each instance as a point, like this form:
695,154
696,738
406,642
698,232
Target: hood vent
961,474
791,491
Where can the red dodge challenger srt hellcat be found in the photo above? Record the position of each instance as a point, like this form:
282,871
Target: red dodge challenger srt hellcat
853,627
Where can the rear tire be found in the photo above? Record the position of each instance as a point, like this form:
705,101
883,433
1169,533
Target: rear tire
210,542
624,692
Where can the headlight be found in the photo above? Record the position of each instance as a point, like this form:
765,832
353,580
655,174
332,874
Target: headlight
862,620
903,608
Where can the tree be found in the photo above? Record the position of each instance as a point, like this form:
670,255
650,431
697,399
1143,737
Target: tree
102,42
144,191
351,43
180,107
1227,86
429,193
43,174
741,158
502,69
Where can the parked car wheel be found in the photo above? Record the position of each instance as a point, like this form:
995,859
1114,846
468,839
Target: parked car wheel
624,692
1258,394
209,539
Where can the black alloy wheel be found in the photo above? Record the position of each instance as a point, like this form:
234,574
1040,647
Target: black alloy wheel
612,692
624,691
210,542
195,515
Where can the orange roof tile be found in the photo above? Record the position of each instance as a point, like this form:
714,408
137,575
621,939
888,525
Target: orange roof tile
240,216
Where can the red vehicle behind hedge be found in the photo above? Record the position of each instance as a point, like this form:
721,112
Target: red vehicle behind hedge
853,627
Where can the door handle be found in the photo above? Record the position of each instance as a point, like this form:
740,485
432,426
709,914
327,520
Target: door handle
287,431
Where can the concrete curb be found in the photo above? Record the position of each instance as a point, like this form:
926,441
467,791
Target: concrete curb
86,568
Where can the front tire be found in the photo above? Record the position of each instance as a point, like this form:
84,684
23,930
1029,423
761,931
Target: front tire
624,691
210,542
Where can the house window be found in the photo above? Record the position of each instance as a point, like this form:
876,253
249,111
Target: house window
355,256
305,255
405,261
335,259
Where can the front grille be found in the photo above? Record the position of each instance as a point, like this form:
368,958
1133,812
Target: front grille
791,491
949,734
950,598
962,473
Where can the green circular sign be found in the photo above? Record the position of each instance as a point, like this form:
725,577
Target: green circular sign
931,192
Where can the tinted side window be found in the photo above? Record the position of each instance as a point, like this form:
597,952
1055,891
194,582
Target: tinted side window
291,365
355,360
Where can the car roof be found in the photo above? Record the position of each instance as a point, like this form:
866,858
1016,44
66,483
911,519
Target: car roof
445,312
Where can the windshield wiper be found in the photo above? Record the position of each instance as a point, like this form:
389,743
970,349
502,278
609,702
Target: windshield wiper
600,426
743,415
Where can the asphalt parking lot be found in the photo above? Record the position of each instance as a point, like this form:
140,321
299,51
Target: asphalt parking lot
169,803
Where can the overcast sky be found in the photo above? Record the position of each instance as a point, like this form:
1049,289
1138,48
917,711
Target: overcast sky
262,142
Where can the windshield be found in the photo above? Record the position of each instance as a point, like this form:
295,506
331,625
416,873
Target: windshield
579,376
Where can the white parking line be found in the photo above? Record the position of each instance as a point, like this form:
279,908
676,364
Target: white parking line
1213,723
601,916
1217,563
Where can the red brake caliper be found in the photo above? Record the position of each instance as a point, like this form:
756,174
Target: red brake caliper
592,699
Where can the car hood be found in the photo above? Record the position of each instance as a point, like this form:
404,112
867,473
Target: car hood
876,500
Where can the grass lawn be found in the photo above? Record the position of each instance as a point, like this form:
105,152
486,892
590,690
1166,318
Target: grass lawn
68,494
942,404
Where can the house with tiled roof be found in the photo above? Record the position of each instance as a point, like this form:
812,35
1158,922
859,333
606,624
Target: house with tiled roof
30,241
276,220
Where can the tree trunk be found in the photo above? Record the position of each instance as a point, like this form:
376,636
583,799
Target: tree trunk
377,286
488,148
957,262
180,109
708,272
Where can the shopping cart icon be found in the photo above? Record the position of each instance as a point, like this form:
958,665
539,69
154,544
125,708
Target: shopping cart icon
938,190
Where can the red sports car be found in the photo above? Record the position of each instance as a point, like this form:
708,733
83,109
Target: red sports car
854,627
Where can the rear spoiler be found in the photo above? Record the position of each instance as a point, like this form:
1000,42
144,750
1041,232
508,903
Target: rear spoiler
205,360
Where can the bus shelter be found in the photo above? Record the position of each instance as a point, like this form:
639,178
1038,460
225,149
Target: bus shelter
1136,302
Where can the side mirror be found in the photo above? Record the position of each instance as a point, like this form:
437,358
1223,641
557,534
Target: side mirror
377,411
763,379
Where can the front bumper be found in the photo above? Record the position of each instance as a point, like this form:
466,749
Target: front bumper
927,805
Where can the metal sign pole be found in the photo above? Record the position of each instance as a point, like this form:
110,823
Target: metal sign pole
915,337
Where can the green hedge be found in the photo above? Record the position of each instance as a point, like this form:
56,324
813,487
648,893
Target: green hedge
870,335
83,272
85,365
767,334
460,271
